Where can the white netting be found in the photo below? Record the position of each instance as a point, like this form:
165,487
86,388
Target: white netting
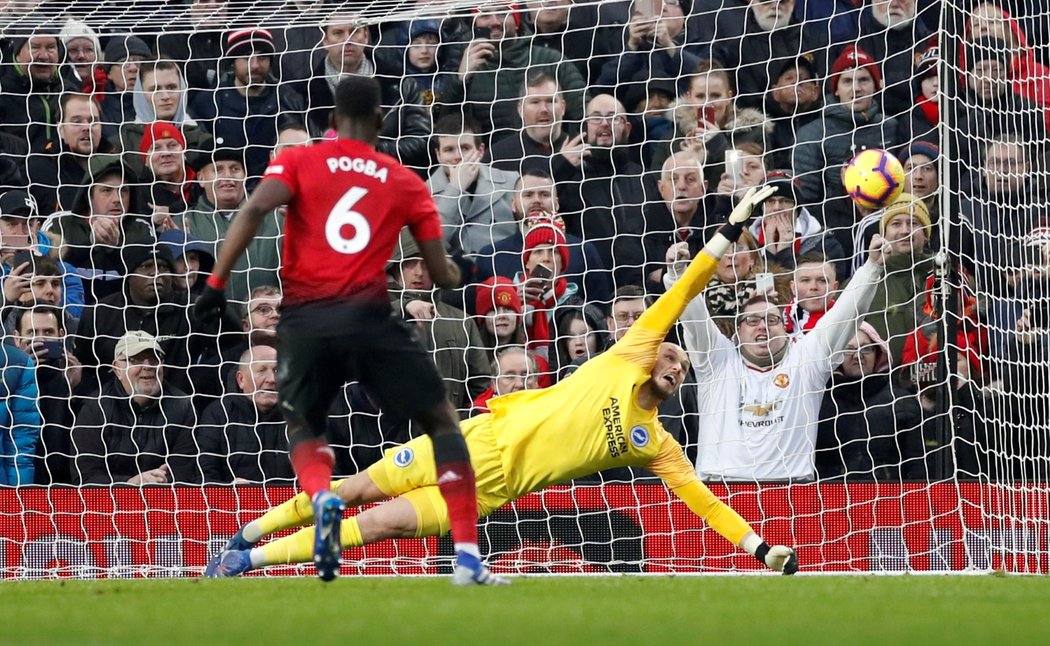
637,125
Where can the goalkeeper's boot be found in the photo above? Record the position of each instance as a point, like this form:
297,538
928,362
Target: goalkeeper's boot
470,570
328,512
229,563
238,542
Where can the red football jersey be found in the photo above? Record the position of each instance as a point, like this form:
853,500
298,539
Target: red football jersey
349,204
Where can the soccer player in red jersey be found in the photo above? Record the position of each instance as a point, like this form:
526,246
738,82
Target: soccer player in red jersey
347,204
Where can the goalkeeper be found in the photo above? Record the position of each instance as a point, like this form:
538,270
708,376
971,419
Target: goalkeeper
601,417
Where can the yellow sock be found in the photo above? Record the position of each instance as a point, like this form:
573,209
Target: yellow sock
293,513
299,547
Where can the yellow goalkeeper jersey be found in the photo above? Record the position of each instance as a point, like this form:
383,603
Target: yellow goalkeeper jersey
590,421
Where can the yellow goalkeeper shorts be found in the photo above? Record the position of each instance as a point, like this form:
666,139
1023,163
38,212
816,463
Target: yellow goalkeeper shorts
409,471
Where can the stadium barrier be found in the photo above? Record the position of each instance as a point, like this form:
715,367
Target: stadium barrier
163,532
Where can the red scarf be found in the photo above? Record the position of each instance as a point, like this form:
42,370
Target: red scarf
930,109
538,329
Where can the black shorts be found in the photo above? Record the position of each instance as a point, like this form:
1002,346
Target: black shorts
374,347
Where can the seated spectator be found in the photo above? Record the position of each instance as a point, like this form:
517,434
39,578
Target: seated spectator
534,200
794,99
652,49
851,120
105,218
896,307
143,304
19,416
212,371
1003,209
406,122
82,52
39,283
17,211
544,287
160,95
194,38
497,305
600,190
745,167
513,369
581,334
706,122
123,57
759,391
247,107
40,332
30,87
422,57
472,197
192,262
869,428
57,174
170,177
921,124
893,33
567,28
814,283
493,68
786,230
140,430
1029,77
542,134
242,438
451,339
757,47
222,176
684,213
993,109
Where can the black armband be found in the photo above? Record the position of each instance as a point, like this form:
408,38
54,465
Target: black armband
761,551
731,231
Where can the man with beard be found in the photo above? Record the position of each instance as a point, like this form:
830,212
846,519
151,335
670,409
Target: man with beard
243,437
451,339
760,391
599,184
249,105
140,430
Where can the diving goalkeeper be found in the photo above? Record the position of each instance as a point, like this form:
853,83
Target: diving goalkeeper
602,416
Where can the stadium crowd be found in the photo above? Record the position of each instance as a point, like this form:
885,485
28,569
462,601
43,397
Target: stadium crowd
577,155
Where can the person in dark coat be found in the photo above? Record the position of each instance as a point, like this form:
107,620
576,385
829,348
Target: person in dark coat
139,430
243,438
30,88
869,428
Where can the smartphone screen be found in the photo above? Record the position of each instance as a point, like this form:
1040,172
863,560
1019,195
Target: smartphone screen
734,164
541,271
709,113
763,282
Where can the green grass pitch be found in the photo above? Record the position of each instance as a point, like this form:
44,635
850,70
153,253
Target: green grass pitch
762,611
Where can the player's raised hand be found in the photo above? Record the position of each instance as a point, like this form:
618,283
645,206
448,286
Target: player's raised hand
782,558
754,196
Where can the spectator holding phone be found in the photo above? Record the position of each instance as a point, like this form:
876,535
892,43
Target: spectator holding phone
543,287
40,332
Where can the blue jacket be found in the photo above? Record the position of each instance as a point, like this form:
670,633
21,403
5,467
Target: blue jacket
19,416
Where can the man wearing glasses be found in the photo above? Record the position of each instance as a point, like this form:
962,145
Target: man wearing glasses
759,393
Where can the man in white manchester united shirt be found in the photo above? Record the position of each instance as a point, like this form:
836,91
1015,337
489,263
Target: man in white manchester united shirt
759,393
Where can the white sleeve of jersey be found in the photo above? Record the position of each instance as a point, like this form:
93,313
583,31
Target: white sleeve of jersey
702,336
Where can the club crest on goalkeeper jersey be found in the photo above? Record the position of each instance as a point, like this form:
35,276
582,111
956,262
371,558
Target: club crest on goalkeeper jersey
348,206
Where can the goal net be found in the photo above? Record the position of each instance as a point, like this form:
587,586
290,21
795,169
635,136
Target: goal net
869,382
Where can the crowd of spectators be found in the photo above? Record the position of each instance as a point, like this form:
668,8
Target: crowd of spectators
578,154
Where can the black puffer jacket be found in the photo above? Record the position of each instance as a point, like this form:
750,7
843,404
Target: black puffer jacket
237,440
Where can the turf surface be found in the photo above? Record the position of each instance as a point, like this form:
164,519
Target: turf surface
538,610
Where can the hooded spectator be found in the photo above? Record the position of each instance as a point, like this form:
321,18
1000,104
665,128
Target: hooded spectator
82,53
122,59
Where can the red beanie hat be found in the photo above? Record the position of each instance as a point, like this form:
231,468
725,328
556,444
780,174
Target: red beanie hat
157,131
850,58
495,292
546,233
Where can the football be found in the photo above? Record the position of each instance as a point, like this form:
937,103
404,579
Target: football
874,178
